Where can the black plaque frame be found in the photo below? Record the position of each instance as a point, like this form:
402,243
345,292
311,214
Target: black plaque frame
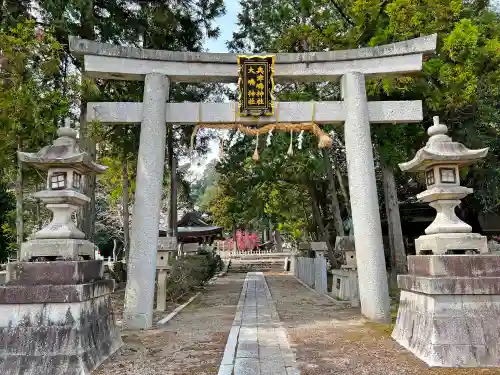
256,86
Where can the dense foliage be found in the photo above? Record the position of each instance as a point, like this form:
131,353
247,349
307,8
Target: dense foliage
459,83
303,193
42,87
191,272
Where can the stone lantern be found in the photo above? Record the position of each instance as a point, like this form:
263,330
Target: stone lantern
441,160
449,311
167,251
56,314
66,167
319,248
346,245
345,279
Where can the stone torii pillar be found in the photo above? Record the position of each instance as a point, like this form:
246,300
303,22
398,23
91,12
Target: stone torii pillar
146,214
373,288
351,66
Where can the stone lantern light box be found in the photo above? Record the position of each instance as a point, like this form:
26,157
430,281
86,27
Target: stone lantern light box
66,167
167,250
441,159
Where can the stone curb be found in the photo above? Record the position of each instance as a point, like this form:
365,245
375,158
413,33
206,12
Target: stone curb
337,302
174,313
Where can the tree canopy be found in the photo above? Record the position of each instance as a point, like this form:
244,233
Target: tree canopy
459,83
42,86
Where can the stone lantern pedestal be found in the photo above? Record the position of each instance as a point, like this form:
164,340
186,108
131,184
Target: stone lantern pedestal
449,312
56,318
56,315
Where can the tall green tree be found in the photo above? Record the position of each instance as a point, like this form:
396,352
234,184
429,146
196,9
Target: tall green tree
29,99
7,219
181,25
459,83
12,12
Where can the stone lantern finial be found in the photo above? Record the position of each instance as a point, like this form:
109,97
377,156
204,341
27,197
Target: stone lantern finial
66,132
437,129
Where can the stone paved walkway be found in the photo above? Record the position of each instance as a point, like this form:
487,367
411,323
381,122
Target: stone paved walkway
257,343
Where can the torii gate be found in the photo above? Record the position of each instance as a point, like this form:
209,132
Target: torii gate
158,68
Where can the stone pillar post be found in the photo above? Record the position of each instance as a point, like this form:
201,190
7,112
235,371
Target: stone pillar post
161,295
146,215
373,288
293,264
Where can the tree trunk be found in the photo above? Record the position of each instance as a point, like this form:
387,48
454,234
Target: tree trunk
125,203
115,246
235,238
173,199
19,202
321,226
171,161
86,220
398,254
278,241
337,216
38,209
343,190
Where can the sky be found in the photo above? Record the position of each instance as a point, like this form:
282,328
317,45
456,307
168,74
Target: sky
227,25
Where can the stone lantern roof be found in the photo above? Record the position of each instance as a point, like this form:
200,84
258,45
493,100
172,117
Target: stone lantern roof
440,149
64,152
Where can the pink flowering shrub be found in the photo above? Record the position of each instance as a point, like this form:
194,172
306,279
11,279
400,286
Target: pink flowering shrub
247,241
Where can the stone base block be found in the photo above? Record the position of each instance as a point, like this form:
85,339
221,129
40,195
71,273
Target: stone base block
66,328
450,330
67,249
449,313
54,273
345,285
441,243
484,265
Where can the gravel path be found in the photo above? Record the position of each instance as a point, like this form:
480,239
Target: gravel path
332,340
190,344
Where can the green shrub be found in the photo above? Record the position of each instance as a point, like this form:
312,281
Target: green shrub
191,272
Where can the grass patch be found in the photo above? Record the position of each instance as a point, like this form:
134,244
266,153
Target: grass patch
385,330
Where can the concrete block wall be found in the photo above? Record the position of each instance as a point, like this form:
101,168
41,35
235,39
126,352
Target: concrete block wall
313,272
306,270
320,282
